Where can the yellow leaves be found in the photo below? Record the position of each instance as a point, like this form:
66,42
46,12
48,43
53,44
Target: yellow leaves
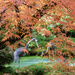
8,32
7,43
49,44
22,7
25,50
69,28
57,30
73,24
14,21
42,2
5,38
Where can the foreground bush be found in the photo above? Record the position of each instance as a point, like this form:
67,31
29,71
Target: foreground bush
33,70
6,70
6,56
44,69
63,68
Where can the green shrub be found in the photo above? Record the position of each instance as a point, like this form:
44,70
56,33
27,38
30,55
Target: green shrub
42,40
32,45
39,50
49,28
36,69
71,33
6,69
6,56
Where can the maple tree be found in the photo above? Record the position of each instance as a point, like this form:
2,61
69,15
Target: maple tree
18,17
48,17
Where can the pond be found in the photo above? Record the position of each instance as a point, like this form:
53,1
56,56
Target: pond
29,60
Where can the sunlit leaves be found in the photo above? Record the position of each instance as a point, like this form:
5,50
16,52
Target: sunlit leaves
10,35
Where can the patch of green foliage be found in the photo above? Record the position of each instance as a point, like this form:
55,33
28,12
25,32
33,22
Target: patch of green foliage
32,44
39,50
1,37
42,40
6,57
71,33
1,34
36,69
63,45
67,17
6,70
64,50
49,28
73,39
